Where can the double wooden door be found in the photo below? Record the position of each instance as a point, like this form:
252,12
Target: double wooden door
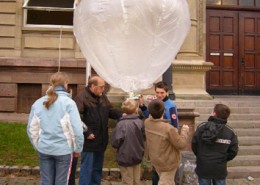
233,46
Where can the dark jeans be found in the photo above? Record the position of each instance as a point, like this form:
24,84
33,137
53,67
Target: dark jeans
155,177
72,179
203,181
91,168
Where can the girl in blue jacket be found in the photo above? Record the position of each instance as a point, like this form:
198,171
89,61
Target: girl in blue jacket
55,131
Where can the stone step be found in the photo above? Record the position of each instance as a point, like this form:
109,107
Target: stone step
210,104
245,119
236,110
249,150
247,131
244,124
249,140
237,123
241,172
245,160
234,116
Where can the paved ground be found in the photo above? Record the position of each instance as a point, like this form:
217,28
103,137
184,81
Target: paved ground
32,180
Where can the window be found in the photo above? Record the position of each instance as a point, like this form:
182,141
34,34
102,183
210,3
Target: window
213,2
27,95
246,2
241,3
229,2
48,13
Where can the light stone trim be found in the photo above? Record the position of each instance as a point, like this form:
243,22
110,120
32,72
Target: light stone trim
7,43
188,78
8,7
7,31
46,42
7,19
202,27
192,67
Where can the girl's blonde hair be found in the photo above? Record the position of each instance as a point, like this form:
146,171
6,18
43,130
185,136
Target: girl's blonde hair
129,106
57,79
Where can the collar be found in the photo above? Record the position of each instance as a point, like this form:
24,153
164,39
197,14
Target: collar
91,93
130,116
165,99
60,88
217,120
157,120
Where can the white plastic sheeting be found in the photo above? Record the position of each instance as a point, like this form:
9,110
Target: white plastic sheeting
130,43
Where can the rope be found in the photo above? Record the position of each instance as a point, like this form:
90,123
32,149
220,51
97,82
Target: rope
60,48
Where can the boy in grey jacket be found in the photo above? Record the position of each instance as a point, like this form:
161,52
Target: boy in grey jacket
128,138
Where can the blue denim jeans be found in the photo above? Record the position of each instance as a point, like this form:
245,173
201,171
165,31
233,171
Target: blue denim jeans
91,168
54,169
203,181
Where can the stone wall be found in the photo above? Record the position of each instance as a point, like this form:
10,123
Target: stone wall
28,55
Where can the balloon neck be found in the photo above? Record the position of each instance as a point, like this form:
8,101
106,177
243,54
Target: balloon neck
132,95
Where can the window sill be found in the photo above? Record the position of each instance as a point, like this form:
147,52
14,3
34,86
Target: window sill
54,28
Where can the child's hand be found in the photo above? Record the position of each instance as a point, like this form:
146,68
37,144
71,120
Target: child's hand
141,101
76,154
186,127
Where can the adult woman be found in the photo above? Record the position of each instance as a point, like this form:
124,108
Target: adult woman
55,131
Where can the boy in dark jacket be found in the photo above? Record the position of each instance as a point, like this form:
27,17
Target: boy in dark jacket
128,139
214,143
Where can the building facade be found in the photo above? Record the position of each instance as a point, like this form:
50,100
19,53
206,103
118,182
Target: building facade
30,52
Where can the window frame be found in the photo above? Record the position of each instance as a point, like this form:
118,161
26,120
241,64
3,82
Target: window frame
236,5
25,8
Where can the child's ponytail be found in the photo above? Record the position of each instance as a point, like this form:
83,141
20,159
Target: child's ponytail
57,79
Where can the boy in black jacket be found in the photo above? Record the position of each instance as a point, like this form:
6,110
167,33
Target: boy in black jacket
214,143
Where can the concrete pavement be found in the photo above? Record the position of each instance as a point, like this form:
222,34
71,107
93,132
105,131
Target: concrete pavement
35,180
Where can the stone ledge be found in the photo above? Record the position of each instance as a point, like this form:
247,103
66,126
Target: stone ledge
107,173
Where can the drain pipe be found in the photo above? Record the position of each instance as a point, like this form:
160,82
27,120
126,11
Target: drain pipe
167,77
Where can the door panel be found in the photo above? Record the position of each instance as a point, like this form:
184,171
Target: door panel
249,51
222,50
233,45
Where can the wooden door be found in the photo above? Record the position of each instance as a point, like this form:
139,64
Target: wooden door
222,51
249,53
233,45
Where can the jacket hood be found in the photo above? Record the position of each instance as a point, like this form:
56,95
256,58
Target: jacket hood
217,120
211,130
60,90
129,116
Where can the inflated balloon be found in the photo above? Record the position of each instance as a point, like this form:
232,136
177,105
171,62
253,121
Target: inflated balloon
130,43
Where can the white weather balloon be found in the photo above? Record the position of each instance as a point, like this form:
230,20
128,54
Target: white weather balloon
130,43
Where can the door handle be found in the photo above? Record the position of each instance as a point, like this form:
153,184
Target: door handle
243,61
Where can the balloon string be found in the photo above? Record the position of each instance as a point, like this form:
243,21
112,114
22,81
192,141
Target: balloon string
124,11
60,48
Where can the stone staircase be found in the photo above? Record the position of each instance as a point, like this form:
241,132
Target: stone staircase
245,120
